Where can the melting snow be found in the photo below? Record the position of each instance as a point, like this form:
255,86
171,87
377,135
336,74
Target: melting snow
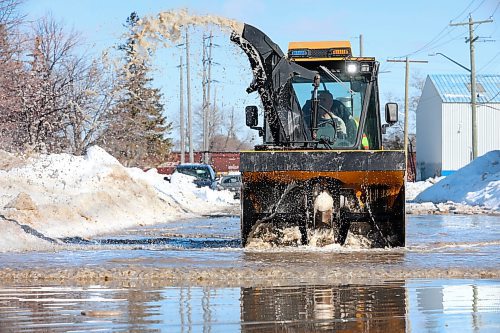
62,195
476,184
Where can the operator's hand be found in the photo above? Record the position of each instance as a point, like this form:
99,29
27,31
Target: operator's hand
340,127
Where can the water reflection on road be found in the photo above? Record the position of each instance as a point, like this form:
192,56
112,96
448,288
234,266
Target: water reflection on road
406,306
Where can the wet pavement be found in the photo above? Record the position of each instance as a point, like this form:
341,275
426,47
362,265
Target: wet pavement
194,276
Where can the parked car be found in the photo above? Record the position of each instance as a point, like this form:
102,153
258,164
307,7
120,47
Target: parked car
204,174
231,183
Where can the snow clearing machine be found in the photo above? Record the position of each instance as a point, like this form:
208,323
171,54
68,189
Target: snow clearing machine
320,165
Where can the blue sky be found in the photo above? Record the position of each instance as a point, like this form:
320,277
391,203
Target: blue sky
390,29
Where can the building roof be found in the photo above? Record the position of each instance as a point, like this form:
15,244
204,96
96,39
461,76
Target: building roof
455,88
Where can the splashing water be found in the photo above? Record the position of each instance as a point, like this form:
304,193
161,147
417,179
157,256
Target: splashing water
321,237
268,236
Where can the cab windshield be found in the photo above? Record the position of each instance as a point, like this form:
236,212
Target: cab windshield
339,111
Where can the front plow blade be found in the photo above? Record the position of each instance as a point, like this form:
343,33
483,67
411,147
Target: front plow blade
349,192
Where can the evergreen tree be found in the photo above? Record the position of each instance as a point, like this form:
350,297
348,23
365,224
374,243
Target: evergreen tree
137,129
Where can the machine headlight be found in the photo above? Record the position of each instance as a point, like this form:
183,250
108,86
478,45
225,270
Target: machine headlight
352,67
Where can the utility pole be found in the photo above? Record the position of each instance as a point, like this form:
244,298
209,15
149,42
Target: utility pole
190,123
204,87
207,81
361,45
214,110
407,79
206,137
181,111
473,93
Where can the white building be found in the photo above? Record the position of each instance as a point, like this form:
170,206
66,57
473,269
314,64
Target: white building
444,118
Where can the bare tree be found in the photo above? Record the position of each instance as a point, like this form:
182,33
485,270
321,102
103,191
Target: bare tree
225,143
394,138
53,97
10,17
60,68
11,71
417,84
43,84
10,20
91,98
8,103
229,141
63,96
215,124
231,126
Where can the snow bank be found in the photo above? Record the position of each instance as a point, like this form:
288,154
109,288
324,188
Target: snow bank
476,184
415,188
62,195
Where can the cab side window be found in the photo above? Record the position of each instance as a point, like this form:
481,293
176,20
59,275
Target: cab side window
371,129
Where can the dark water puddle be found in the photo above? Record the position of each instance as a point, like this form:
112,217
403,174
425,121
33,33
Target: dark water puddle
186,243
398,306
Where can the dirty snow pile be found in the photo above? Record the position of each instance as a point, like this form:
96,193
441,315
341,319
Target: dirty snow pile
473,188
62,195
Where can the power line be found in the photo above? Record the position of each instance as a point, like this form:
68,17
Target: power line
443,33
463,11
462,34
477,7
492,98
434,40
495,10
488,106
489,62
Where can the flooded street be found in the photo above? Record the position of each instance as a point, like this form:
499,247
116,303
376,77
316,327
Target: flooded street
208,251
193,276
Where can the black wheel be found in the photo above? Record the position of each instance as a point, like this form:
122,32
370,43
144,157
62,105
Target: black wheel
247,218
342,224
398,219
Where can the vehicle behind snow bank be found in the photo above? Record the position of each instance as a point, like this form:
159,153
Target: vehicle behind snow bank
204,174
231,183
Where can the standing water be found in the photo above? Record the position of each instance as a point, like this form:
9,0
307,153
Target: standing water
194,276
